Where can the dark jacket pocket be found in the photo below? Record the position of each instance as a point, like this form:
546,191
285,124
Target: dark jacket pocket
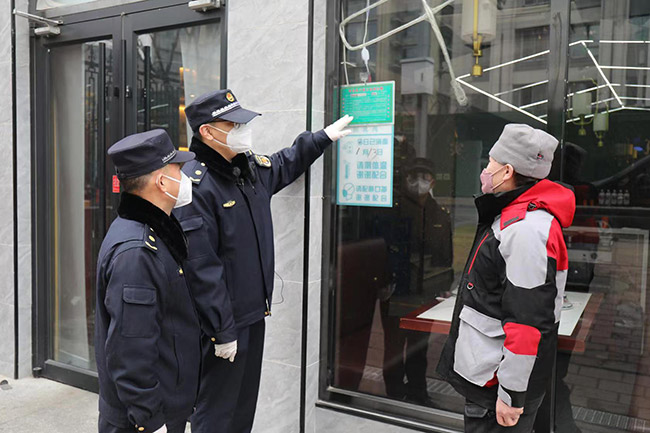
197,238
138,312
479,347
179,361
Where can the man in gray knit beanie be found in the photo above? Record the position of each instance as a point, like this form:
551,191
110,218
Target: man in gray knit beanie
504,331
523,150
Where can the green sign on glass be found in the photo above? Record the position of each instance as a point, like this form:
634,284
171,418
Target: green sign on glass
369,103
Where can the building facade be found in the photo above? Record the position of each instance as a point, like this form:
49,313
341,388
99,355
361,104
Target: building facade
348,346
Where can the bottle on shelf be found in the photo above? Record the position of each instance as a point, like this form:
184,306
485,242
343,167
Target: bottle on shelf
619,198
608,198
626,198
601,198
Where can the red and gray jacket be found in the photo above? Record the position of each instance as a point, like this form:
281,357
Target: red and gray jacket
505,322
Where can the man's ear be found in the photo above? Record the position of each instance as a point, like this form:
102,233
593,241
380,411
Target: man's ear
204,131
510,172
159,180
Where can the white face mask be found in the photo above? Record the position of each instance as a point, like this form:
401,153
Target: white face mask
184,192
239,139
419,186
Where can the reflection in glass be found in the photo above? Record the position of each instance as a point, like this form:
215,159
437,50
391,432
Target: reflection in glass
175,67
604,386
396,262
79,118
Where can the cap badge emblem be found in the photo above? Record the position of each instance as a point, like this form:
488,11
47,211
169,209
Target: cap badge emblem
230,97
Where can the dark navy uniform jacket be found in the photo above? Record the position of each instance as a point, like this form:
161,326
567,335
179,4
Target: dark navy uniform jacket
230,265
147,335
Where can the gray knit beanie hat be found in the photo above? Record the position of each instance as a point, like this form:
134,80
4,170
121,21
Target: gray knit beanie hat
528,150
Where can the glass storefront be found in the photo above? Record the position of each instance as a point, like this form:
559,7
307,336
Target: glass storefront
391,264
605,386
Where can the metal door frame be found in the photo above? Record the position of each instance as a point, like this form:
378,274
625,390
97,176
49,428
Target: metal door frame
42,196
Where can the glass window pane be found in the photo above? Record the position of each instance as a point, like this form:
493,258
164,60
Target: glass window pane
603,384
416,250
78,217
175,67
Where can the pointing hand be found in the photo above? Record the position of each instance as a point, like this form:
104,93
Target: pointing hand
337,130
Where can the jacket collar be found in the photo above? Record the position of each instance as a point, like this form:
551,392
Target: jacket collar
554,197
135,208
491,205
240,167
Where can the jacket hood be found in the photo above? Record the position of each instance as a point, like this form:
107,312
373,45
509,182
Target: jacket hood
555,198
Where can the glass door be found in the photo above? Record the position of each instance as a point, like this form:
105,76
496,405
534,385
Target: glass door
170,65
77,120
78,217
95,83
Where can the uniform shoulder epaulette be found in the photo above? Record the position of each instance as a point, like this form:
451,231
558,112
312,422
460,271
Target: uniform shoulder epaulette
195,170
131,244
262,160
150,238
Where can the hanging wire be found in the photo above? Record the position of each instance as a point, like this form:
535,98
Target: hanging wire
429,15
365,54
365,30
345,60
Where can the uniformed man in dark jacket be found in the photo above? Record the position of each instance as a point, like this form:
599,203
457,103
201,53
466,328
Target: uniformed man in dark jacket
418,234
147,334
231,258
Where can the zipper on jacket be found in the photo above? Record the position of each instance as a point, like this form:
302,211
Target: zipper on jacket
476,252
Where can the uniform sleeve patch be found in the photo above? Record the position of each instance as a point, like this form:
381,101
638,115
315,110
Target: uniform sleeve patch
263,161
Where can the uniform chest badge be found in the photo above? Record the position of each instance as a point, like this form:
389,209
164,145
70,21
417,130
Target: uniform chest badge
229,204
262,161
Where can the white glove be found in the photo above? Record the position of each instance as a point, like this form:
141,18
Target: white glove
337,130
162,429
226,351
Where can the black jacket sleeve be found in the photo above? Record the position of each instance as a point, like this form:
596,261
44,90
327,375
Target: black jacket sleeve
205,271
135,279
289,163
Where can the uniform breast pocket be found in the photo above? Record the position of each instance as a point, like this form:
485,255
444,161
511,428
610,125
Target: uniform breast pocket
479,346
139,312
197,237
